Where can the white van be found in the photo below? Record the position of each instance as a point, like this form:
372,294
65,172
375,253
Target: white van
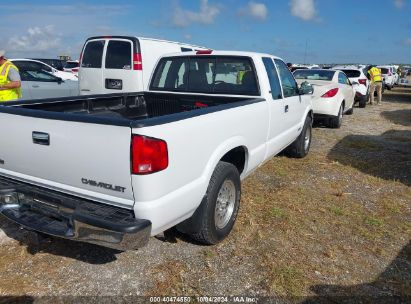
122,64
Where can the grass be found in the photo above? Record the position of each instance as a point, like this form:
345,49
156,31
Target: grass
337,210
373,221
278,212
286,281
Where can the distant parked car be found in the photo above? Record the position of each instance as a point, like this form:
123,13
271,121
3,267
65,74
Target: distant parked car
35,65
37,84
58,64
333,94
72,67
388,75
357,76
294,68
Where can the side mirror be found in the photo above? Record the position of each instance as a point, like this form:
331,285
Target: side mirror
59,80
306,88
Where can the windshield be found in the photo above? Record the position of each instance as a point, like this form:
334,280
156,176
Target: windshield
314,74
206,74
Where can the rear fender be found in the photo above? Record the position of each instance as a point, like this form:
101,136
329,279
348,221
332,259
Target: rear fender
223,149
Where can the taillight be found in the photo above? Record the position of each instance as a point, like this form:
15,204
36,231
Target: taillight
204,52
148,155
330,93
137,62
362,81
74,70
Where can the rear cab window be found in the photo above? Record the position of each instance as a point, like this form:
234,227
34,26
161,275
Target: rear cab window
233,75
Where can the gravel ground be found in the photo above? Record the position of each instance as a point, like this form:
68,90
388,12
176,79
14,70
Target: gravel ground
336,223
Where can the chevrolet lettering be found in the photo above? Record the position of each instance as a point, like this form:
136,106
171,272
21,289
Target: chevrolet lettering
102,185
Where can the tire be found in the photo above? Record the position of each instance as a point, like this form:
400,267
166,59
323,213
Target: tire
350,111
363,102
336,121
208,225
301,146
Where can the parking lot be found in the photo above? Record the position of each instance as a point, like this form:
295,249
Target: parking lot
335,223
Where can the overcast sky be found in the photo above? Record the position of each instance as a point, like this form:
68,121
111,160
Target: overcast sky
366,31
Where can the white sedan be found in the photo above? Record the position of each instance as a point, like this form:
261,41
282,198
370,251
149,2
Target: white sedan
40,84
35,65
333,94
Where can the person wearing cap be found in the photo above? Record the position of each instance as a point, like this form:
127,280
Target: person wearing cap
10,81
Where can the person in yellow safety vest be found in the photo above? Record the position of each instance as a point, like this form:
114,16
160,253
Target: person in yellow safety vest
10,81
376,84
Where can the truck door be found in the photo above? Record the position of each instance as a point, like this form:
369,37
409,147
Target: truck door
293,106
277,129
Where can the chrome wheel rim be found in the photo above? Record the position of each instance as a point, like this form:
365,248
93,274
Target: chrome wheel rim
224,207
307,138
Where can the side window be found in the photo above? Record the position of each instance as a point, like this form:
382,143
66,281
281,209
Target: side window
44,67
288,83
273,78
184,49
118,55
342,79
93,54
39,76
21,65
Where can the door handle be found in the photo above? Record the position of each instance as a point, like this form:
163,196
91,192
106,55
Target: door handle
41,138
35,86
286,108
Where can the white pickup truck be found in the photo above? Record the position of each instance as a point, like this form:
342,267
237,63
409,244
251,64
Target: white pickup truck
115,169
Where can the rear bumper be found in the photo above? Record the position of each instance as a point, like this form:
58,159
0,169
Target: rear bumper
71,217
326,106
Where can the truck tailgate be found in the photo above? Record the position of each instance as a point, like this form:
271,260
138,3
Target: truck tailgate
82,159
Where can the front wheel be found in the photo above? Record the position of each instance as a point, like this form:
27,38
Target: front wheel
215,217
300,147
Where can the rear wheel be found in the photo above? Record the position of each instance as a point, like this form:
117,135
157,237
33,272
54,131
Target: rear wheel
350,111
336,121
363,101
300,147
215,217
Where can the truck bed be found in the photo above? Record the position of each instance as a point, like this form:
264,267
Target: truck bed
123,108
